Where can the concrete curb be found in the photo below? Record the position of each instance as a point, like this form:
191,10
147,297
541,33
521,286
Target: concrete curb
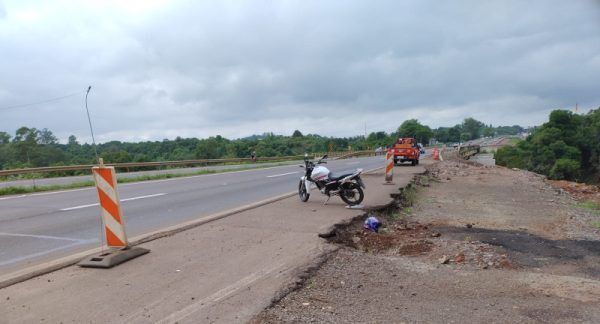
51,266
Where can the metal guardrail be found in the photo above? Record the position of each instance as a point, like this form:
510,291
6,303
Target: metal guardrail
169,163
359,153
466,152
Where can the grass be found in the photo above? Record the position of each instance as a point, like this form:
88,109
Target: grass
161,176
401,215
26,190
409,196
596,224
590,204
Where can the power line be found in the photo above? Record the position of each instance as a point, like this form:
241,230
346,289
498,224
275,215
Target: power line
43,101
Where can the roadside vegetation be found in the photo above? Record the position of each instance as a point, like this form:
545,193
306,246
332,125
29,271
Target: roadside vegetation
590,204
32,147
566,147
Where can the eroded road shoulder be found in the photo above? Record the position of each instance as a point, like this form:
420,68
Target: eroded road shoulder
470,244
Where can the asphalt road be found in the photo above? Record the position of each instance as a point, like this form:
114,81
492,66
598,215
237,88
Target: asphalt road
38,227
120,175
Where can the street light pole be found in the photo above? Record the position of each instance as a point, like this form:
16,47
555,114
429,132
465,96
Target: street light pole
90,122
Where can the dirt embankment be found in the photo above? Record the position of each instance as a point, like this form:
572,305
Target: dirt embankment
465,243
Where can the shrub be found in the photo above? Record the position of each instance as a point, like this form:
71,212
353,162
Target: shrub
565,169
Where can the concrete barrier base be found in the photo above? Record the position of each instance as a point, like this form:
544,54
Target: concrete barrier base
109,259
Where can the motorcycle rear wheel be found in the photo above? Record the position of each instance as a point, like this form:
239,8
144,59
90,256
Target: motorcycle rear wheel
352,194
302,192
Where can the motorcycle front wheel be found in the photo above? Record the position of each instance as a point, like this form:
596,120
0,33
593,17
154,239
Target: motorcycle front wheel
352,194
302,192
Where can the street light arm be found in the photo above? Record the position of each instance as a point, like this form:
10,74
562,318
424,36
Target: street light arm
90,122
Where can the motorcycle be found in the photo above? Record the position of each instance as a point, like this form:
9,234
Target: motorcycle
349,186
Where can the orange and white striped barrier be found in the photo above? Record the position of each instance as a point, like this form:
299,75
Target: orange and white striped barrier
112,221
389,167
110,205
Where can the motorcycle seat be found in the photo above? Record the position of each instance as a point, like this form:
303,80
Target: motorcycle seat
338,176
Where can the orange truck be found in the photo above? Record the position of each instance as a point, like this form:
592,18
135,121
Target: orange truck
406,150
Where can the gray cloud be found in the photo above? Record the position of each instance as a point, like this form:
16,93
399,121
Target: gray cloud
163,69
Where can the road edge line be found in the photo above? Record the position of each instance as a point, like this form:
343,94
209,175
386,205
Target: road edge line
64,262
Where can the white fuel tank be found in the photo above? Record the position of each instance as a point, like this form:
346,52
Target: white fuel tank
319,173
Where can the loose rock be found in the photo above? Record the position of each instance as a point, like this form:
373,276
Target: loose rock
444,259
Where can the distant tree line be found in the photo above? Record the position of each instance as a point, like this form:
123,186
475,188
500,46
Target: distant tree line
566,147
31,147
469,129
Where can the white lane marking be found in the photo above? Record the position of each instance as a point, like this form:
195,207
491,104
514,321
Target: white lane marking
202,175
220,295
33,255
12,197
122,200
144,182
283,174
154,181
43,237
143,197
79,207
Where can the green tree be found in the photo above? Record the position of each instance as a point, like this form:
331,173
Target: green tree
488,132
441,134
46,137
412,128
565,147
72,141
212,148
454,133
4,138
24,145
472,127
26,134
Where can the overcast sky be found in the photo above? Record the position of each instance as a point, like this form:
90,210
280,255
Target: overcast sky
161,69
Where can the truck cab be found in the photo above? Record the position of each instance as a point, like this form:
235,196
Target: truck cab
406,149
